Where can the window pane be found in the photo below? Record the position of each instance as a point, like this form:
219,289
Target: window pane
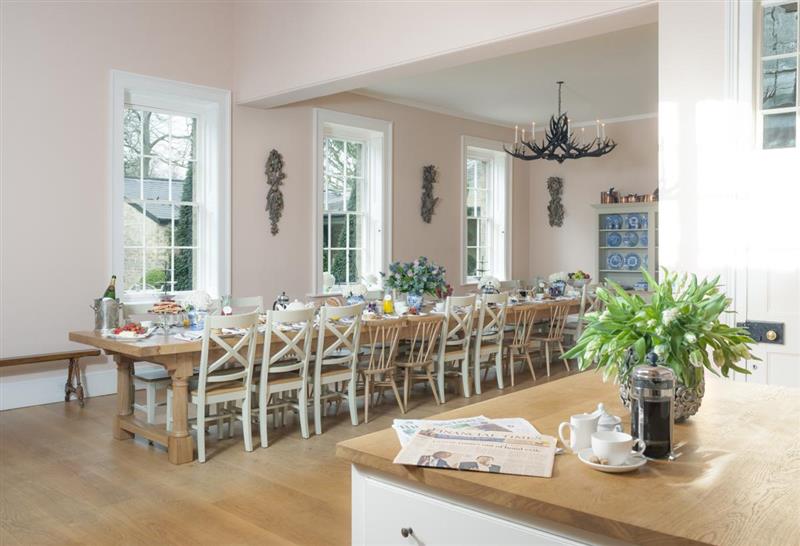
471,261
156,169
338,231
354,257
472,232
156,262
158,224
132,277
481,203
185,269
132,131
354,194
471,167
185,225
354,231
483,265
132,164
133,188
483,232
333,164
156,134
779,83
133,220
182,141
334,193
339,265
325,230
780,130
355,152
325,261
471,199
182,181
779,31
481,168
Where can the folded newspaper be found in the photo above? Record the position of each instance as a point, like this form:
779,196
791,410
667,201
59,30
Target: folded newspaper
504,446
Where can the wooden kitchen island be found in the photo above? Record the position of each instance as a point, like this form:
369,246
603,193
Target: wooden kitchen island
736,482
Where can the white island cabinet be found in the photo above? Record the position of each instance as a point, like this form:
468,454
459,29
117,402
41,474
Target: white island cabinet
387,511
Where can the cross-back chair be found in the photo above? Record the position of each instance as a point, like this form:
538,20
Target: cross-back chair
455,338
419,361
336,362
489,336
519,344
225,379
377,364
574,323
554,333
283,377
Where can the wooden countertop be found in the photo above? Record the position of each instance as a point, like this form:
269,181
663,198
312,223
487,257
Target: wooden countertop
736,482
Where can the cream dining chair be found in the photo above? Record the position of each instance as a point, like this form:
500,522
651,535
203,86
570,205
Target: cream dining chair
285,366
377,364
455,338
227,379
336,362
519,344
419,362
489,336
554,334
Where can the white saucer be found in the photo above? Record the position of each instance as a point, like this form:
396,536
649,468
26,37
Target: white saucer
634,461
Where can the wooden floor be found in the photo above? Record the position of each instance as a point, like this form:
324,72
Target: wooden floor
65,480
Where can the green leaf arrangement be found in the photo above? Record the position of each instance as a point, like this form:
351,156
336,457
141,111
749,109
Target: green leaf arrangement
680,324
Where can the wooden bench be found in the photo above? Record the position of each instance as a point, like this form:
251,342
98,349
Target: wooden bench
73,384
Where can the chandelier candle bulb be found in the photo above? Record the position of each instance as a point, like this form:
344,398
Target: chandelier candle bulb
603,131
516,134
533,130
523,135
597,126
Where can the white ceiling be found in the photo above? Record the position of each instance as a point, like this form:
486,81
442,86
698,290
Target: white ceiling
607,76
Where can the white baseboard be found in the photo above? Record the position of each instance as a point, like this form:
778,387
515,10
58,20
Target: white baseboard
36,389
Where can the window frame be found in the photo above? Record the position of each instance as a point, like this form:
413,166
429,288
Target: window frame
377,238
501,181
758,74
212,108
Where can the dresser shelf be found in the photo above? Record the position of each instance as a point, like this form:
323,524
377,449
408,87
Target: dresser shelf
647,216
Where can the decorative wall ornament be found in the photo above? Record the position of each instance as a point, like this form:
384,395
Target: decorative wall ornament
555,209
429,175
275,176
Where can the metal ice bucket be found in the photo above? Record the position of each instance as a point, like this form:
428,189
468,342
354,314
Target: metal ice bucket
106,314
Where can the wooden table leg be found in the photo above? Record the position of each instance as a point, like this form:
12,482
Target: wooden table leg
180,445
124,395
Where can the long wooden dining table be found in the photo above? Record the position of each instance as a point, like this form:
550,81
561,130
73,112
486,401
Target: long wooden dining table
179,358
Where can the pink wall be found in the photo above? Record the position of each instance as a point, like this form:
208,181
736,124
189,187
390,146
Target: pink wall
56,62
265,265
631,168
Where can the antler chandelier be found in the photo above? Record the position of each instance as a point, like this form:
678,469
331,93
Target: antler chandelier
559,143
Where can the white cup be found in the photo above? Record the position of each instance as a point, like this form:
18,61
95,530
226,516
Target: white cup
615,447
400,307
581,427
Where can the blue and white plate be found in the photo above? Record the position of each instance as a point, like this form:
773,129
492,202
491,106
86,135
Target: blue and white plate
632,261
615,261
614,239
633,221
643,221
643,239
630,238
613,221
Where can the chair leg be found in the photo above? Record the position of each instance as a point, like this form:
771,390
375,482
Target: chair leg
498,369
477,374
397,394
231,407
351,401
318,408
530,365
303,411
169,410
547,356
220,419
150,402
561,348
465,377
247,424
406,386
263,426
366,399
433,386
440,379
201,431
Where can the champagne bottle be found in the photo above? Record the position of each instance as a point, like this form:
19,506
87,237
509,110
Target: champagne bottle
111,291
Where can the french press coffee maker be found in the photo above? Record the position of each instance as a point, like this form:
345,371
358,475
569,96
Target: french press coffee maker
653,407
